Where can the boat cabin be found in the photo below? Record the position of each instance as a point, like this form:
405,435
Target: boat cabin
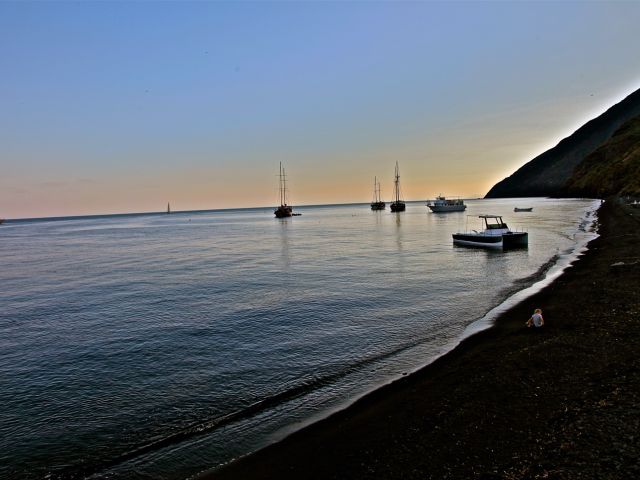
493,222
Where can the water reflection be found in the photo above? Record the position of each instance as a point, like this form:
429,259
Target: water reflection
378,216
399,232
258,306
283,236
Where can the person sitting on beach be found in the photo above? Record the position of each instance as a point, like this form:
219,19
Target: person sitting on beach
536,319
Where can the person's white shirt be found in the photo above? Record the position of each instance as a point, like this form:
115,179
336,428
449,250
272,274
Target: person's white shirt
537,320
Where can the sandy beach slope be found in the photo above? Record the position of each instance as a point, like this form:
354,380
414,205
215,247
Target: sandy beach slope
508,403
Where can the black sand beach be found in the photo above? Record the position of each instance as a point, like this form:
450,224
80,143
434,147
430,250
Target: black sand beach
508,403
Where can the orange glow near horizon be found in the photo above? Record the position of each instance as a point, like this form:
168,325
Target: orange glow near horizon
134,118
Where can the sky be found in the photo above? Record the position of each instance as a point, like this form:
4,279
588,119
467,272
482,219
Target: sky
115,107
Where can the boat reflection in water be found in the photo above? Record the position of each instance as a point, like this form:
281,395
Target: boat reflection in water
496,234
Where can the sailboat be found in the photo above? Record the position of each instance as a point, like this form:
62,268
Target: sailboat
283,210
168,208
377,203
397,205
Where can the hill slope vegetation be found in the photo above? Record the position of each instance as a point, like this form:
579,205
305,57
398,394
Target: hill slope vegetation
549,172
612,169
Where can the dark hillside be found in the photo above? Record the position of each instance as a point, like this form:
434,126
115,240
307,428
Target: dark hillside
613,169
547,174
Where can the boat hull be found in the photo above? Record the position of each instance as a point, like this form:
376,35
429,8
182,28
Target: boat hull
398,207
447,208
477,240
515,240
283,212
523,209
378,206
505,241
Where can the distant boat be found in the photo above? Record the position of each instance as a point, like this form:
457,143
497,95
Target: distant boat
495,235
377,203
441,204
168,208
283,210
530,209
397,205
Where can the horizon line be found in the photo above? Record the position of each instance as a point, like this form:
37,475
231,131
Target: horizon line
162,212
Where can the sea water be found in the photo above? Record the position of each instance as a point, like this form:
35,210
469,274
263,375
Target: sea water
158,346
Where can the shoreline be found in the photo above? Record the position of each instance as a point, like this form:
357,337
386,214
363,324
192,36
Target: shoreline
413,426
557,268
558,265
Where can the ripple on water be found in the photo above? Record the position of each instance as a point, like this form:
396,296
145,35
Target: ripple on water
129,341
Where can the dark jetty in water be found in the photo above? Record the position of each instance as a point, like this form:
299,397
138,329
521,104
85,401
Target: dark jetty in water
507,403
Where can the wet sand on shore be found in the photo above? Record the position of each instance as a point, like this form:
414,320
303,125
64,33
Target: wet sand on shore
509,402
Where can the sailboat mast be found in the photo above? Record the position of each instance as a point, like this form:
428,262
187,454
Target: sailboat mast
284,187
280,182
375,192
397,184
280,186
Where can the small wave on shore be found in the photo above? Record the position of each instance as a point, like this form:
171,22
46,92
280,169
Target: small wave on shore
197,345
545,275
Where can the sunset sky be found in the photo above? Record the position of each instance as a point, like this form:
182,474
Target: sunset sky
110,107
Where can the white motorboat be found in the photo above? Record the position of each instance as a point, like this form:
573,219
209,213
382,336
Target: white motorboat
496,234
442,204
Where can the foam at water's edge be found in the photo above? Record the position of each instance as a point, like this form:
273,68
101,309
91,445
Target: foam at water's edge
586,230
587,234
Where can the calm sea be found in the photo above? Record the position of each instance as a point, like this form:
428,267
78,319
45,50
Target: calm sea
157,346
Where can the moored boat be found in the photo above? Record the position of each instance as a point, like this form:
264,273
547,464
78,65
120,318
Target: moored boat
398,204
442,204
283,210
529,209
496,234
377,203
